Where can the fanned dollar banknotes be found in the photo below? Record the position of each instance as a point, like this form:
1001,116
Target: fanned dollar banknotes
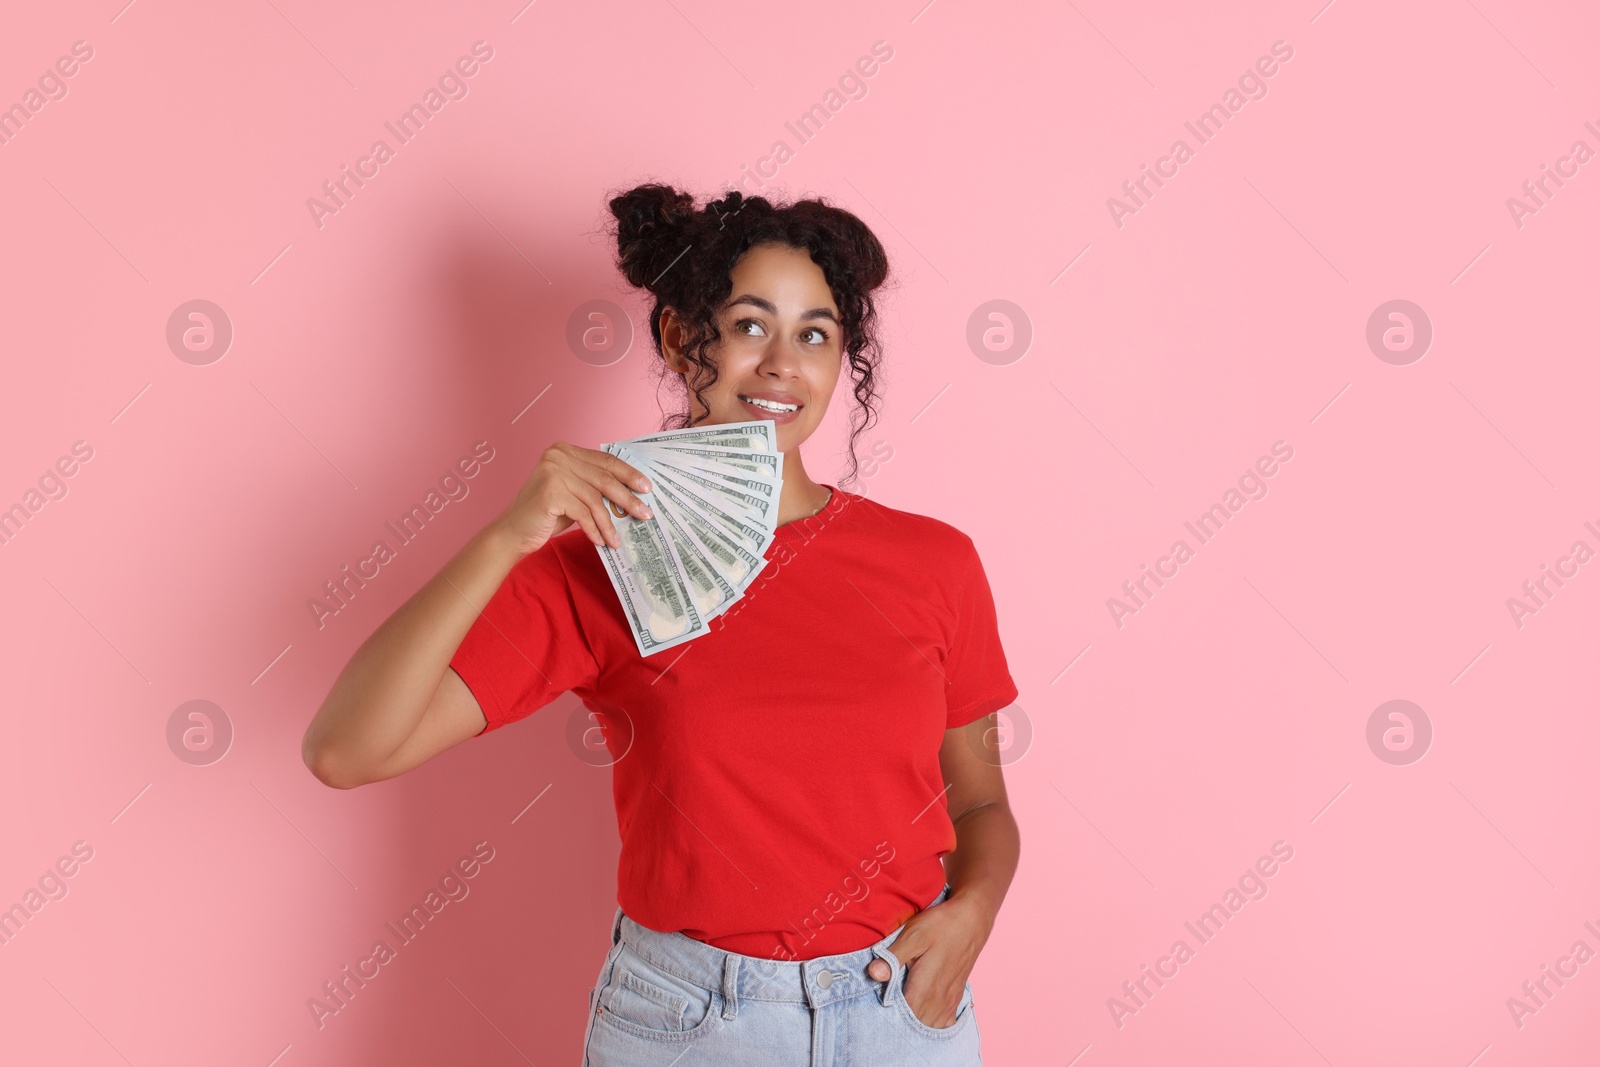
714,502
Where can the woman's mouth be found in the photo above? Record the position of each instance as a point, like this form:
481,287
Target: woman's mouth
771,407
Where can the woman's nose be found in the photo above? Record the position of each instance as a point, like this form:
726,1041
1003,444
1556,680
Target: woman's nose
779,358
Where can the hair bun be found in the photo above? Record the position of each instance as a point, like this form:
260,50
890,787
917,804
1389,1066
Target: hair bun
653,222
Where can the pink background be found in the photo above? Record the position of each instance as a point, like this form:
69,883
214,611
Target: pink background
1228,313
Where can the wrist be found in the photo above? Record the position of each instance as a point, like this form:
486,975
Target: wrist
505,544
979,897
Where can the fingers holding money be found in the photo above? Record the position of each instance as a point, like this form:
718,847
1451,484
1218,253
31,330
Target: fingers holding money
601,488
573,484
619,475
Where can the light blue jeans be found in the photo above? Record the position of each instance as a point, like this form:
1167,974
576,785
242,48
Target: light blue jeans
666,999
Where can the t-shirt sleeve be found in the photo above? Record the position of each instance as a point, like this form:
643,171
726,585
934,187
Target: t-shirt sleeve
978,679
527,646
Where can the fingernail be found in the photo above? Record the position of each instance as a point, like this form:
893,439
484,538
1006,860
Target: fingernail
649,514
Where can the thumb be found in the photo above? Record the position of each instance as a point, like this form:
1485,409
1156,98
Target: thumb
880,970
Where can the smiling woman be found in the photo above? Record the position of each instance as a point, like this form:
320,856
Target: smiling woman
846,711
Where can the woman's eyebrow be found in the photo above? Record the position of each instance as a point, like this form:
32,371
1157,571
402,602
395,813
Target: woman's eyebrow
771,309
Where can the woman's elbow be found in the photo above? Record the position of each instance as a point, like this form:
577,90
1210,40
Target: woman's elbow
326,766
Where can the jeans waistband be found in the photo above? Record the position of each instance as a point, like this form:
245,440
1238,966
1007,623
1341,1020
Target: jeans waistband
812,982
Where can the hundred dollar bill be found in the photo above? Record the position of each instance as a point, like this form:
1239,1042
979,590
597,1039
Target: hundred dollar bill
727,479
715,492
765,464
753,514
726,553
758,434
736,563
739,492
646,574
710,590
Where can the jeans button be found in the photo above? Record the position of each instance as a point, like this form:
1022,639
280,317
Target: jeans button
825,979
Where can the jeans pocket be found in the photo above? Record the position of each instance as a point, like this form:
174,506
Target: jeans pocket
647,1001
963,1011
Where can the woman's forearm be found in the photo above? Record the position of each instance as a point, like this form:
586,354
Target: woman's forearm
985,858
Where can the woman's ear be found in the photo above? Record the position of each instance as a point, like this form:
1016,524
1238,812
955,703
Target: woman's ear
672,340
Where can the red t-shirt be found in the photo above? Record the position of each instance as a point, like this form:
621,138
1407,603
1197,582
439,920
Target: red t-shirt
780,795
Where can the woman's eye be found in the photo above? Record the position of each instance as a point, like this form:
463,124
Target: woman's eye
816,335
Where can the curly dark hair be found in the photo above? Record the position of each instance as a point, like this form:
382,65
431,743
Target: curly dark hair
684,257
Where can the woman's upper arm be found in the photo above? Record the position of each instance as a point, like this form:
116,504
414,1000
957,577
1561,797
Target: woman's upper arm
970,762
453,715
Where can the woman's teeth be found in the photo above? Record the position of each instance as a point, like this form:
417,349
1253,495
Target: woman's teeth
770,405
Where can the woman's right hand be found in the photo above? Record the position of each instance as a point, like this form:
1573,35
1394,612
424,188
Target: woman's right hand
573,484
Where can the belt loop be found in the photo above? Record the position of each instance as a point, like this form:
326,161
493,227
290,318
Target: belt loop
730,985
887,955
616,928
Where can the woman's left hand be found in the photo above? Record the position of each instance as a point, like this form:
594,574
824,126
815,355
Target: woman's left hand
938,947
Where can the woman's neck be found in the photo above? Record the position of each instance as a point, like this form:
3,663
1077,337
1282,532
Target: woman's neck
801,497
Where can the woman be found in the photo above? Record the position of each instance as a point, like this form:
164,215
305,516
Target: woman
815,833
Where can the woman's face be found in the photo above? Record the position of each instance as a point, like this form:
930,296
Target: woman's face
780,345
